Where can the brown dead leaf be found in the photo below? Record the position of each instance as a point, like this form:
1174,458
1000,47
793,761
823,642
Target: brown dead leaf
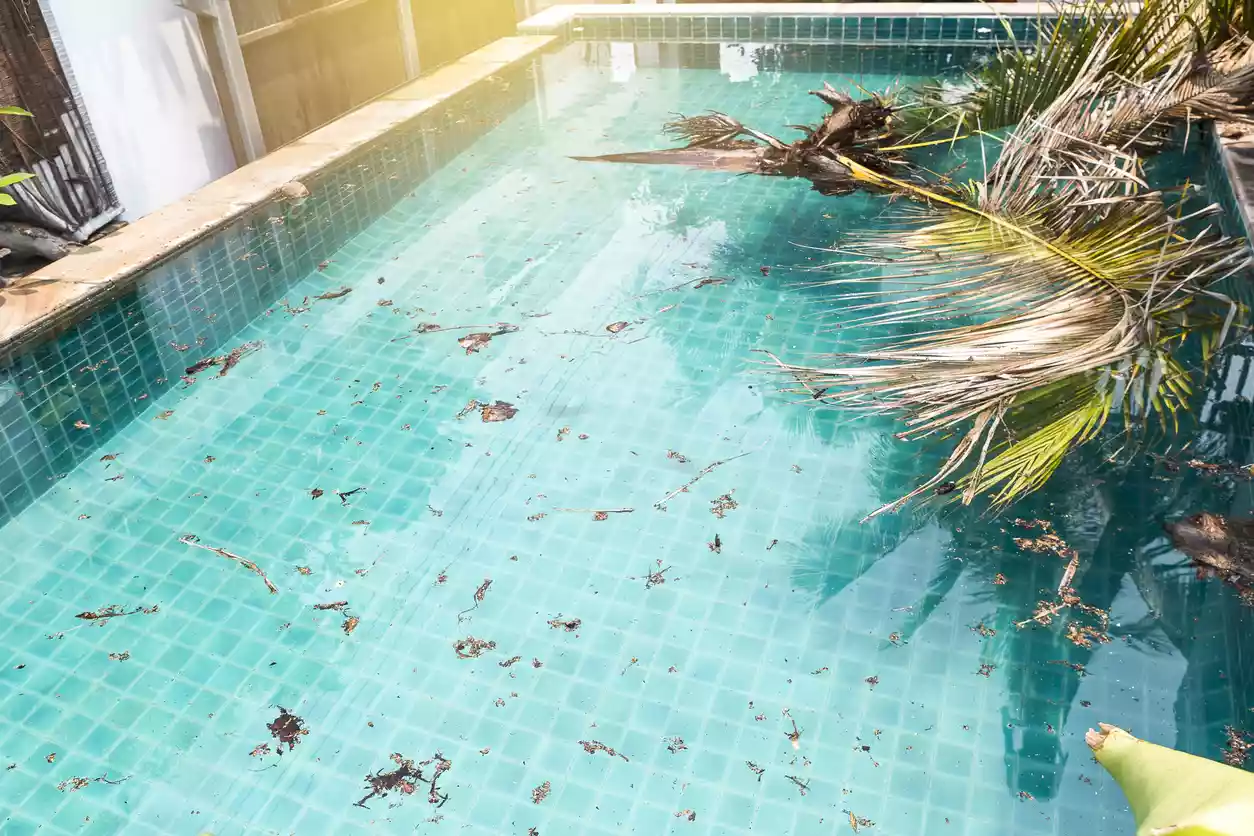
615,327
499,411
473,342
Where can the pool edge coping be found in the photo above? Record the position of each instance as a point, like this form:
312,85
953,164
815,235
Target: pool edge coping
554,19
60,294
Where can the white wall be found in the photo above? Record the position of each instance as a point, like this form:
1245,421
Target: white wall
140,67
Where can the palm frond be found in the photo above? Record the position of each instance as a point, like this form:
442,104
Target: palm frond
1024,78
1050,305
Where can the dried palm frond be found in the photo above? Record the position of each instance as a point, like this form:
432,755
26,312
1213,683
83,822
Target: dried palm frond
716,141
1049,303
714,130
1024,78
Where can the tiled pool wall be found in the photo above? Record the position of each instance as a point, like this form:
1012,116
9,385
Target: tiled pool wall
105,370
818,28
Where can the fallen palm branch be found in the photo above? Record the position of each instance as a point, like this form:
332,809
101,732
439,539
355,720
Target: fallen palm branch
857,129
1119,42
1055,294
194,541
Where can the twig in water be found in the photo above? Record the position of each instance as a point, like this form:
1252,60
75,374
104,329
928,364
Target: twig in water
705,471
480,593
193,540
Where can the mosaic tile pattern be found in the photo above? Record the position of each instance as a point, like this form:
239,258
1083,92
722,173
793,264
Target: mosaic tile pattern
867,636
794,28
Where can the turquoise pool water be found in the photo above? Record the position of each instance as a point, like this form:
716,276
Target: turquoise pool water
649,672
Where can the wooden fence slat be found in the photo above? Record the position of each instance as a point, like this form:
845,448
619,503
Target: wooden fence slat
270,31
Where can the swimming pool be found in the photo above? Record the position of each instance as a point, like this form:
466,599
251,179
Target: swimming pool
472,599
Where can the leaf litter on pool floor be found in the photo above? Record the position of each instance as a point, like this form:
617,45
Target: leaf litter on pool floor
405,779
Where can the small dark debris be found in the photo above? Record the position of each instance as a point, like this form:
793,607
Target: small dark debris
77,783
404,779
594,746
508,662
709,280
1024,795
288,729
984,631
658,577
304,570
946,488
316,493
540,793
350,624
472,648
999,579
225,362
115,611
872,681
794,736
335,294
570,625
676,745
719,507
755,769
260,750
857,822
677,456
986,670
686,814
344,495
337,606
715,545
120,657
802,786
536,663
479,595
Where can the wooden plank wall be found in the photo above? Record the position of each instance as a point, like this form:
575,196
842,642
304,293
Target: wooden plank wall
310,61
448,29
